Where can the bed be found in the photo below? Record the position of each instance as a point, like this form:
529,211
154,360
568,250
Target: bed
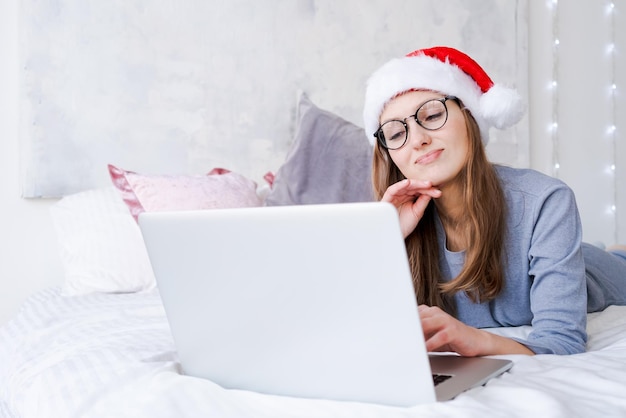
99,345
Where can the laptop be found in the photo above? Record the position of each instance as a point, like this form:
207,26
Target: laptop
312,301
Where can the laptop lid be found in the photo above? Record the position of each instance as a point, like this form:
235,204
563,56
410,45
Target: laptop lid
309,301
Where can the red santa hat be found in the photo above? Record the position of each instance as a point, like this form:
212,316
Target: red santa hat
448,71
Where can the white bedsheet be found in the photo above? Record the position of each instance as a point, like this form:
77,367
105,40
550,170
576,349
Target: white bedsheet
107,355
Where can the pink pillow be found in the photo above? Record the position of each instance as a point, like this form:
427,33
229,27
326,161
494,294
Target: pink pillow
151,193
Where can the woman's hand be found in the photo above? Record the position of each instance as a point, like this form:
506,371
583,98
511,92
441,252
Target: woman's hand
411,197
443,332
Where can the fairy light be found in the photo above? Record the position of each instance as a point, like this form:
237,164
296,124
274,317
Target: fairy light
612,128
553,86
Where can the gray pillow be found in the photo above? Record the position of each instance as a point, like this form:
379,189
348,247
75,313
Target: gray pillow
329,162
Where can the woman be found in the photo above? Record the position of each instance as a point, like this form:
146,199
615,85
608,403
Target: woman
489,246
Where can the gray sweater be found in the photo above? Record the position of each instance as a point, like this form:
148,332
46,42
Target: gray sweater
545,278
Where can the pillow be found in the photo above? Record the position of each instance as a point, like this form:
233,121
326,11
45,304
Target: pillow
100,245
329,161
218,189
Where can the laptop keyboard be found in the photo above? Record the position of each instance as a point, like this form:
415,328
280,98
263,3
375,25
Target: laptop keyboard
438,378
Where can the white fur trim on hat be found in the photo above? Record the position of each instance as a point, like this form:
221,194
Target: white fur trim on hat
498,106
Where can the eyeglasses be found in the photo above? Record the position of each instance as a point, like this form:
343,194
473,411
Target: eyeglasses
431,115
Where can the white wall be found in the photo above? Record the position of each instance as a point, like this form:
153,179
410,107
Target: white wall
165,86
27,257
185,71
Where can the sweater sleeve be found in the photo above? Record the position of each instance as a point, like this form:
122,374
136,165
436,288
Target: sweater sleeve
558,293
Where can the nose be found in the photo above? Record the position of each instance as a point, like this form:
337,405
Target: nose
418,136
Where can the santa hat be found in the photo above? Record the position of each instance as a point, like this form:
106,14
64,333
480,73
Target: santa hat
448,71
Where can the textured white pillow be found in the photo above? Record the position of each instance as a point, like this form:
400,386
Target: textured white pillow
100,244
329,162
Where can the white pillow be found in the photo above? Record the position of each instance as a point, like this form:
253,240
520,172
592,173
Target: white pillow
100,244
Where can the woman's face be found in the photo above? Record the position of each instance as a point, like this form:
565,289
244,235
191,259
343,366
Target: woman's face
437,156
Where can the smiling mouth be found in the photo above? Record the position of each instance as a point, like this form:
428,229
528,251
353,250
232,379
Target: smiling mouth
429,158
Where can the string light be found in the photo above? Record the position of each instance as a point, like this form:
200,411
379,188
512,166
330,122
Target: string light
553,5
612,130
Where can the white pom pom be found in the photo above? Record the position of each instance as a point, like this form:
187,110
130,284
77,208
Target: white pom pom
501,106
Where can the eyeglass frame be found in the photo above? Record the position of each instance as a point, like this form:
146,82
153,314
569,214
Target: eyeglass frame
382,141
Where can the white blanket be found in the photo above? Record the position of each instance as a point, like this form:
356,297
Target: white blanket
107,355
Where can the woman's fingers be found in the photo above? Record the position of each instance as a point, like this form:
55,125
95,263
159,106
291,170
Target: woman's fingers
409,190
410,213
419,206
411,198
443,332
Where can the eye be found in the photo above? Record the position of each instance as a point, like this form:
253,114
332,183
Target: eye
432,114
393,131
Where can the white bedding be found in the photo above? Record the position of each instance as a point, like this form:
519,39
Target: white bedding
100,355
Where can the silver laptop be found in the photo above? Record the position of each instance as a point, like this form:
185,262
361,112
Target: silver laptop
310,301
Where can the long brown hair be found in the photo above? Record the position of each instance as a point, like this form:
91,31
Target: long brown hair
482,276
